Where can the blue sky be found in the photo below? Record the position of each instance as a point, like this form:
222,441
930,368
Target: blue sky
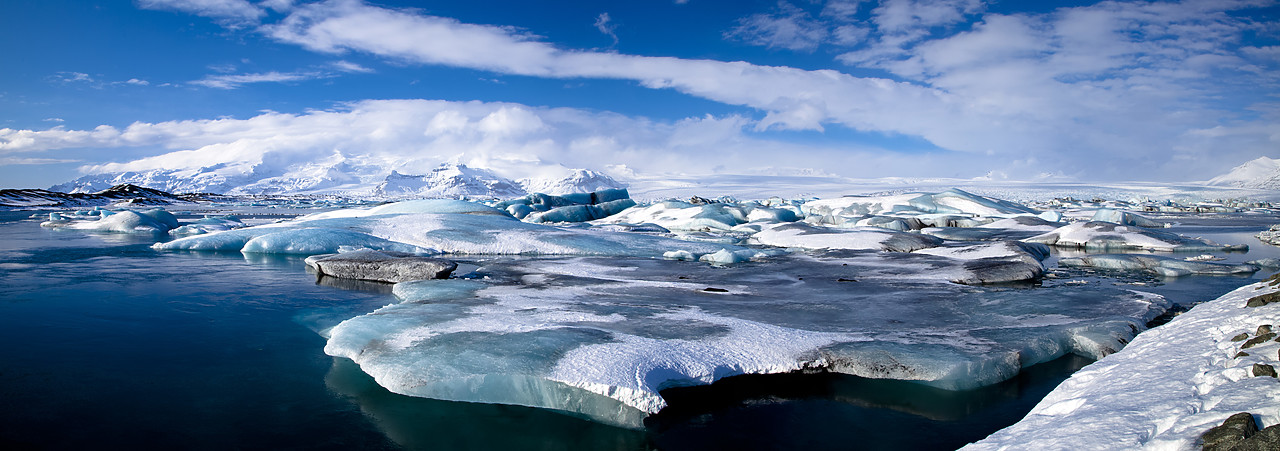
1158,91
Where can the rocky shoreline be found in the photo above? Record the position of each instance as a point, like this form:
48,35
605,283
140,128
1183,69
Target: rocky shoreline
1171,386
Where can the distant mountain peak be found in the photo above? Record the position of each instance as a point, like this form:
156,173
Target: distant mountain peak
346,175
448,180
1260,173
576,181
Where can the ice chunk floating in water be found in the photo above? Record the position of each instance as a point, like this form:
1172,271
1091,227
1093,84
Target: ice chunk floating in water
602,337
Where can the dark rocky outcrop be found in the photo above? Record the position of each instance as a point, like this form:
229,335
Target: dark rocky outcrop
1237,428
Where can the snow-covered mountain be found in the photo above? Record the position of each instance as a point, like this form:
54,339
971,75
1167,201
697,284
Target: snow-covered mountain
1262,173
577,181
350,176
448,180
131,194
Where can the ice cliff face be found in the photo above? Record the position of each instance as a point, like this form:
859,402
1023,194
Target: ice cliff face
1262,173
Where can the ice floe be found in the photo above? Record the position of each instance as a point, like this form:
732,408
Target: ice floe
603,337
806,236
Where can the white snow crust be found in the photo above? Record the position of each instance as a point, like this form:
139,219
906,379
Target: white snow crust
1165,389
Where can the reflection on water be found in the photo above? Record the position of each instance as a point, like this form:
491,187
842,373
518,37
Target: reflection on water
837,411
419,423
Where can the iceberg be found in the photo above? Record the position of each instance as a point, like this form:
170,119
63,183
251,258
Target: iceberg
572,207
1125,218
1015,228
952,201
704,216
602,338
1003,261
155,220
1103,236
207,225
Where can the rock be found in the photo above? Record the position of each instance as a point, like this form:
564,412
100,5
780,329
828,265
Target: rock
1263,299
1265,440
384,266
1241,354
1241,337
1257,340
1262,369
1263,329
1232,432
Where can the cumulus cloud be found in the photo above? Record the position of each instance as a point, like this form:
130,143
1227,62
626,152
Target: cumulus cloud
415,135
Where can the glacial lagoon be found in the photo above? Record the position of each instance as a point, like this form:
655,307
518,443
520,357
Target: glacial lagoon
111,343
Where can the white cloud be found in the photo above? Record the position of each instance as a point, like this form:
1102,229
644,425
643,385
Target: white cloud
1096,90
13,161
603,23
789,27
72,77
230,12
415,135
347,66
913,15
233,81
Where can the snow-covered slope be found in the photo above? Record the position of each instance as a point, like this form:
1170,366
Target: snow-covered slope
1262,173
1167,387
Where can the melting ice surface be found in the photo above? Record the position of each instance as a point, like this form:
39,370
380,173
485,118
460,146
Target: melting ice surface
602,337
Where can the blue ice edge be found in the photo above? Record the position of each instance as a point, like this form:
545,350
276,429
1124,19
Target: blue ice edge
602,337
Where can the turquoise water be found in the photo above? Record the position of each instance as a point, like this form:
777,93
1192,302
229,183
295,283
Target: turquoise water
108,344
